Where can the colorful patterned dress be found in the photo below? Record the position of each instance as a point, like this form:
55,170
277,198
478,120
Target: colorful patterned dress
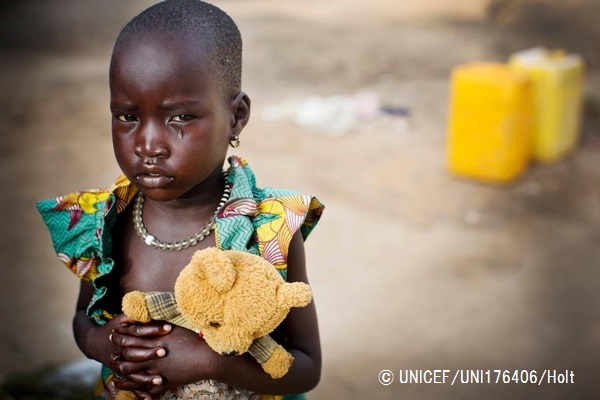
261,221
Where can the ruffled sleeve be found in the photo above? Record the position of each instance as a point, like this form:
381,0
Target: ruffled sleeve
263,221
279,218
80,226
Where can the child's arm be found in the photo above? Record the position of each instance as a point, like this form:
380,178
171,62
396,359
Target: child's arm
301,334
189,359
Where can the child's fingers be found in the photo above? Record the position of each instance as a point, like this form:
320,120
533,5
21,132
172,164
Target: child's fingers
140,381
150,329
126,340
125,368
124,384
138,354
137,389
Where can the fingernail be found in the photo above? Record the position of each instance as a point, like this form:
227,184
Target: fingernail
161,352
110,337
157,381
167,327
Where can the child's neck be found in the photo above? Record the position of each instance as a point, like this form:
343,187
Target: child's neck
204,196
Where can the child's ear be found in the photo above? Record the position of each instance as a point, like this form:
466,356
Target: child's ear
240,113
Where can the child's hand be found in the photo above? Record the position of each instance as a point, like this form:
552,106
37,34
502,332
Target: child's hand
138,346
188,359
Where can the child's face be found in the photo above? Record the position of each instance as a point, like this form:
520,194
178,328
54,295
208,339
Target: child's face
171,121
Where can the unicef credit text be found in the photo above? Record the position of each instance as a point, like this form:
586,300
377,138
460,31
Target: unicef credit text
476,376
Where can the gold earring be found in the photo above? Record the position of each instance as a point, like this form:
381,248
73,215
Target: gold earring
235,142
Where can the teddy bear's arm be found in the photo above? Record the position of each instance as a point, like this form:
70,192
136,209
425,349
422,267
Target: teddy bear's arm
161,306
274,359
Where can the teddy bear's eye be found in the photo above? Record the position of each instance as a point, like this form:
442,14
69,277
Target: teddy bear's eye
215,324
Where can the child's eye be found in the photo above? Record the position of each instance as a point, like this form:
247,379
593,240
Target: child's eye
182,118
126,117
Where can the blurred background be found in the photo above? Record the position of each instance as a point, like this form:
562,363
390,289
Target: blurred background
411,267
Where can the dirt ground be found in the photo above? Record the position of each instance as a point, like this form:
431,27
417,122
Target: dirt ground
411,268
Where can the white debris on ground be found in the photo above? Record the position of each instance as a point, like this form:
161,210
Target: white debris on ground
337,115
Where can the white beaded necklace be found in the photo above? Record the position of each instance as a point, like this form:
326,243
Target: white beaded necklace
152,241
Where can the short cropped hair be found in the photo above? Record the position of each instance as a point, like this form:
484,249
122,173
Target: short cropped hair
195,19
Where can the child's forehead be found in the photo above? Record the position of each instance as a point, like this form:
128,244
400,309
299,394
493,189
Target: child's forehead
156,62
186,49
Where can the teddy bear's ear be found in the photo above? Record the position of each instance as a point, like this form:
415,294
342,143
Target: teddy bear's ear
295,294
216,267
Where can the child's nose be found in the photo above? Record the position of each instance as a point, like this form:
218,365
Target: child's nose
151,142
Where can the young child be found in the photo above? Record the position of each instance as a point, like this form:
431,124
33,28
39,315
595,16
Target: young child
177,104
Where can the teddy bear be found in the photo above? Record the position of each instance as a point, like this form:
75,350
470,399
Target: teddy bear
233,299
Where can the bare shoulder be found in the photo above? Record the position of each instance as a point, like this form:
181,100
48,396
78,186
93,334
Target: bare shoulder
296,271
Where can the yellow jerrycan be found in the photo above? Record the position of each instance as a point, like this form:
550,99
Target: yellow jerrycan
489,128
557,80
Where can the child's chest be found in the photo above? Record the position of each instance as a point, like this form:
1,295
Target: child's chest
144,268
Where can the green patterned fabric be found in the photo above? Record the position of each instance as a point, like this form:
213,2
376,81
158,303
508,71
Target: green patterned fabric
80,226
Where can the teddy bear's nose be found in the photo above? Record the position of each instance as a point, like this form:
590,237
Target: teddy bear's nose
230,353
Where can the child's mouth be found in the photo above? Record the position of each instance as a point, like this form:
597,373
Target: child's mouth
153,180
